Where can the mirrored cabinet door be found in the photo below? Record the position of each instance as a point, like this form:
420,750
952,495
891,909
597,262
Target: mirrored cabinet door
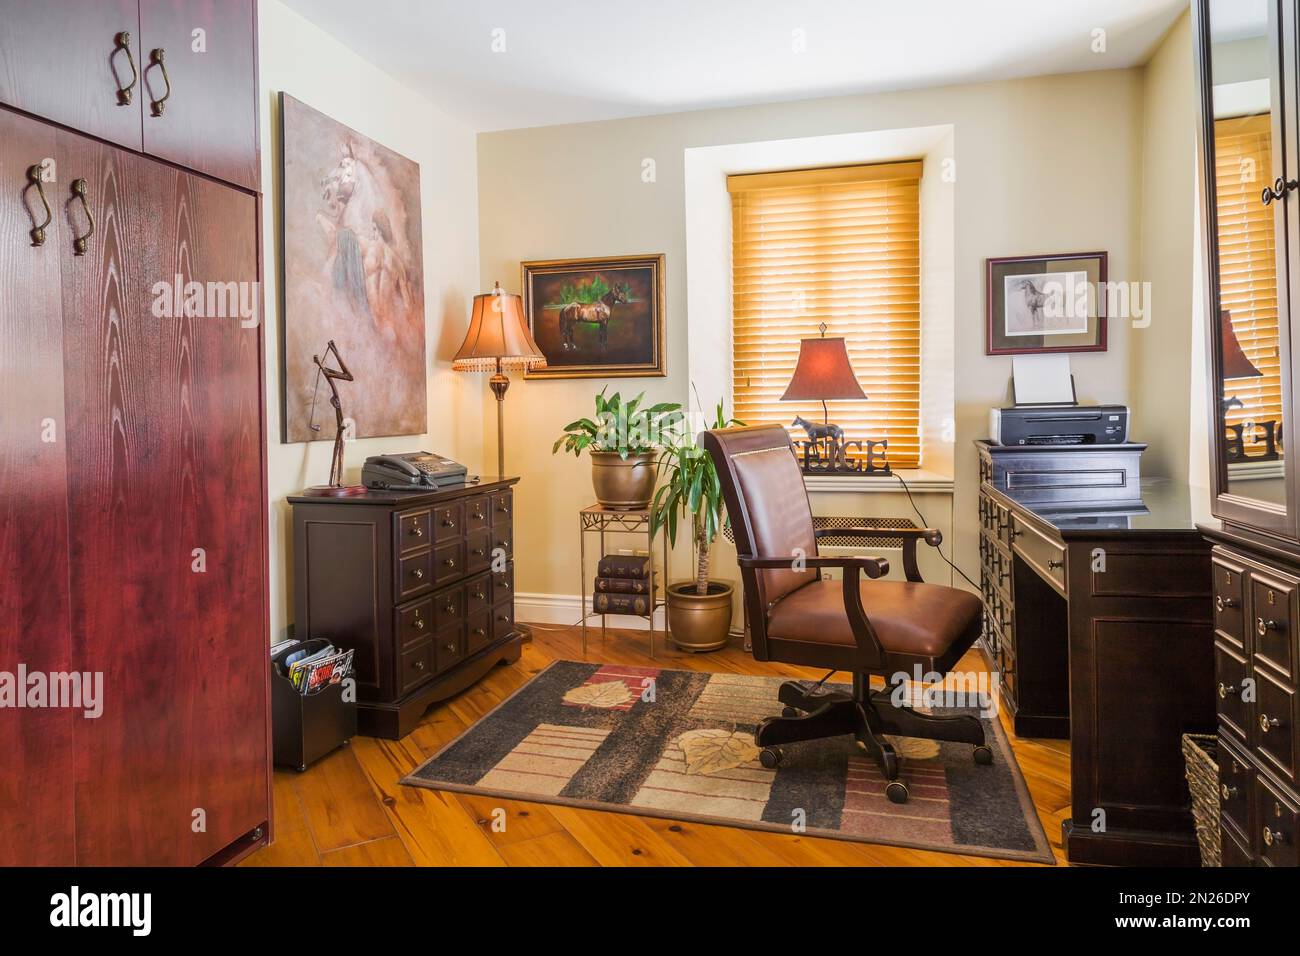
1251,195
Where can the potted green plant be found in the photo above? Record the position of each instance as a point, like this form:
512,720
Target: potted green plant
699,610
623,441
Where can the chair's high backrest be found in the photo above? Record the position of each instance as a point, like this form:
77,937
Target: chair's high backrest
766,502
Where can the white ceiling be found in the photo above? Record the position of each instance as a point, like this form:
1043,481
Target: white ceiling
576,60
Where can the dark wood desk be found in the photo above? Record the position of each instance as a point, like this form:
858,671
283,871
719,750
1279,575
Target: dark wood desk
1106,635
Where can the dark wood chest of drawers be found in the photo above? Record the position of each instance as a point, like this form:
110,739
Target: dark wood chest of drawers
1256,623
420,585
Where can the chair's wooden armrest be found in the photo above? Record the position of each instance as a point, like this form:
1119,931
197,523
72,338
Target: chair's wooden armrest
931,536
872,567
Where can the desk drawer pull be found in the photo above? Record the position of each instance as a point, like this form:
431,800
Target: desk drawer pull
1229,793
1226,689
418,574
1221,603
1273,837
1054,565
1263,626
1267,723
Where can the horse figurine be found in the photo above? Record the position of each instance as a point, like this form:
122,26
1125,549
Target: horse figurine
597,313
817,432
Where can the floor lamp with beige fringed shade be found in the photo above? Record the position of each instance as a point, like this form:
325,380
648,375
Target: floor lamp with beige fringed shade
498,339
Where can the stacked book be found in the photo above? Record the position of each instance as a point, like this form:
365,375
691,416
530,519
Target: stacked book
623,585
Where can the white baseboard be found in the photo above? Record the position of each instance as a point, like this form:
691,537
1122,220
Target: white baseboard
537,608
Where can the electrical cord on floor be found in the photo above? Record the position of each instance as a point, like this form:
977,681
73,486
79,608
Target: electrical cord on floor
926,524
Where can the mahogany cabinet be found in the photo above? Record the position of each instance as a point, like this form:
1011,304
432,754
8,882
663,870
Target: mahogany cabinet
1250,147
419,584
174,78
133,509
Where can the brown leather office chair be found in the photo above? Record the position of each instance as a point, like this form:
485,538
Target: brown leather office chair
865,626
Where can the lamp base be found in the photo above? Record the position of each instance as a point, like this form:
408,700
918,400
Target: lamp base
334,491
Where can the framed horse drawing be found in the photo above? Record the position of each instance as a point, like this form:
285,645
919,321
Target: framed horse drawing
352,272
1052,303
596,318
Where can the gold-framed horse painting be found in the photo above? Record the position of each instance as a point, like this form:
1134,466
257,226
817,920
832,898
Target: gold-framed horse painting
596,318
352,273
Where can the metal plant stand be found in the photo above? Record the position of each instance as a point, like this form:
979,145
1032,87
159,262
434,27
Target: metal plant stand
603,521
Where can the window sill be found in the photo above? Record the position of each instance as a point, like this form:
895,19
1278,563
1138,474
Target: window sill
918,480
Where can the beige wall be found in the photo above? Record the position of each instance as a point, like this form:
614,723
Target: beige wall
1050,164
299,59
1161,355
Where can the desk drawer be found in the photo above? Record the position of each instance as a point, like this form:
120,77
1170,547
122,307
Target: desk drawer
449,562
1229,595
1276,816
478,593
416,622
449,607
479,633
1273,617
1047,557
503,506
503,584
414,530
448,522
478,513
449,646
1274,736
1230,672
479,547
503,621
1236,787
416,665
414,575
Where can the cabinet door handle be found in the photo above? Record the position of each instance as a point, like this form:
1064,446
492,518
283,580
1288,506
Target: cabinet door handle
125,93
158,58
34,176
1280,188
79,243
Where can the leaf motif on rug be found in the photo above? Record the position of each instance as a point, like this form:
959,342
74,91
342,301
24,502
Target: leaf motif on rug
711,751
608,694
914,748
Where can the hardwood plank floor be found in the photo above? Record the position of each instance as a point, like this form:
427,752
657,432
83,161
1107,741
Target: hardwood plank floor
349,809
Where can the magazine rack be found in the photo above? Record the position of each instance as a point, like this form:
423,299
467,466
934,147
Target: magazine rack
305,727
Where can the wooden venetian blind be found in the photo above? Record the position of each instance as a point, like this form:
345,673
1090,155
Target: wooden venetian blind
1243,164
840,246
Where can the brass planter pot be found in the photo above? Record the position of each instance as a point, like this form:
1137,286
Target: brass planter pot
699,622
624,484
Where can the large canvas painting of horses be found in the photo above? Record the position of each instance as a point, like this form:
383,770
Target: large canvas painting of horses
353,272
597,317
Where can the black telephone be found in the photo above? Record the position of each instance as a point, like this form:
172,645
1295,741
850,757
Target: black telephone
413,471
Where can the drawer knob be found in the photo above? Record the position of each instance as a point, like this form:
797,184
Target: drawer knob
478,515
1229,793
417,531
449,608
1267,723
1226,689
418,665
478,630
1262,626
1221,603
418,573
480,596
449,562
451,648
448,523
419,624
479,551
1273,837
1055,565
504,618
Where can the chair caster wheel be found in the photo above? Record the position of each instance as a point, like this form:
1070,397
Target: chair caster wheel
983,755
789,712
770,757
896,792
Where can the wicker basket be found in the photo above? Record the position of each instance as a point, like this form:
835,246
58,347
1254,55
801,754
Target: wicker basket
1200,752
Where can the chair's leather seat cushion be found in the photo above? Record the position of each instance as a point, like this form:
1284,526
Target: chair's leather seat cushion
911,618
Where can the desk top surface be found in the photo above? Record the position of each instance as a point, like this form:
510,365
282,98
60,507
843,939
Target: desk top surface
1165,508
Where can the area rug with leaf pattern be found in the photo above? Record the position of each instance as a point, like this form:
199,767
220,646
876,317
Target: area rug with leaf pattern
679,744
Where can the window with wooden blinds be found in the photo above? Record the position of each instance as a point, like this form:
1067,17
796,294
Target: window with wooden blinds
1243,164
840,246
